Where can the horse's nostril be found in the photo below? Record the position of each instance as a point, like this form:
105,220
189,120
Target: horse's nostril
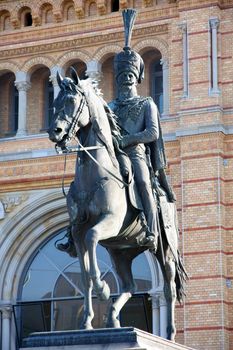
58,130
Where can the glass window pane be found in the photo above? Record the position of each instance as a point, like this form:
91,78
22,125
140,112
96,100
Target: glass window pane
137,313
142,273
44,271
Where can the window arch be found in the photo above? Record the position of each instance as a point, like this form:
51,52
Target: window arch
27,19
5,23
47,13
92,9
70,13
51,290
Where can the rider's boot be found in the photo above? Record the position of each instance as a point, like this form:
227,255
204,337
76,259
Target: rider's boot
67,247
150,240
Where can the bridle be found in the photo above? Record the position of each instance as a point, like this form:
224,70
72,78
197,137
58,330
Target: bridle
72,135
73,126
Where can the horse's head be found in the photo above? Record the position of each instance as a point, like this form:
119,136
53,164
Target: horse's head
70,110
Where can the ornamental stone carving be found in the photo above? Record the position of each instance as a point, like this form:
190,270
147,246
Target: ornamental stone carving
10,202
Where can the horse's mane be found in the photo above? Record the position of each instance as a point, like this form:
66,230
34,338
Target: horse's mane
87,86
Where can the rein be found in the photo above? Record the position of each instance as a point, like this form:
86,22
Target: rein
71,134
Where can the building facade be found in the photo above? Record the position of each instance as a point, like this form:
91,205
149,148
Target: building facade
187,47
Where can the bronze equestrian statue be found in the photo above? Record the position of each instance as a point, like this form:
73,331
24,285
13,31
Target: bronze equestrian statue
120,197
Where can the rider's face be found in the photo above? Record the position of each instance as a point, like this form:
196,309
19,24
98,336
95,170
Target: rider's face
126,79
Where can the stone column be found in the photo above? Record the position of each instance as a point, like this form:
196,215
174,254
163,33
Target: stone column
163,316
22,84
155,314
165,65
214,23
53,79
6,326
94,71
183,27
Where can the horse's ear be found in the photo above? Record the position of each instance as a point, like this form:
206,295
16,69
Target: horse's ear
59,80
74,76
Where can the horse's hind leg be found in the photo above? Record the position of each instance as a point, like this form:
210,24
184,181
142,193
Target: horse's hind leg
122,260
87,283
169,273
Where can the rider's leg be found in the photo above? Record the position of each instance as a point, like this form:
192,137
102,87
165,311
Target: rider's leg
143,182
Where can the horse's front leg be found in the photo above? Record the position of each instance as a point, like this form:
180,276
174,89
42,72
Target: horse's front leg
106,228
122,260
87,282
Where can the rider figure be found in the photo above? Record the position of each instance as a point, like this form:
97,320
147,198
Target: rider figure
141,137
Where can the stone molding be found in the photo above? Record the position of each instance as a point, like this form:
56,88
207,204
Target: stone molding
42,213
107,50
155,43
12,201
86,41
46,61
13,67
73,54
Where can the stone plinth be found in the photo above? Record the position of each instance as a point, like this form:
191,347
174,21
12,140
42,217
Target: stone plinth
99,339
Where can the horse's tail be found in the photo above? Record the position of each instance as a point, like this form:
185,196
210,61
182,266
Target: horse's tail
180,279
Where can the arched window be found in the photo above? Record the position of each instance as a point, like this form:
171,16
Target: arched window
115,5
51,295
48,16
27,19
70,13
157,84
48,103
13,121
92,9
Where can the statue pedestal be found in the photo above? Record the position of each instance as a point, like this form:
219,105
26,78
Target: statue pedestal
99,339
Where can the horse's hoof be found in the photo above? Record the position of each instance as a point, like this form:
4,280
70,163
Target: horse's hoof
103,292
86,326
114,323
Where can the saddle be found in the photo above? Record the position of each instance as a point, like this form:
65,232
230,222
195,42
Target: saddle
167,215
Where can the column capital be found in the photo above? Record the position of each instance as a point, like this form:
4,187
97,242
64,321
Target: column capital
155,300
183,27
22,85
214,23
94,70
164,62
162,300
6,310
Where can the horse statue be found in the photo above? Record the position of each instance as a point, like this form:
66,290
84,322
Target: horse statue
99,204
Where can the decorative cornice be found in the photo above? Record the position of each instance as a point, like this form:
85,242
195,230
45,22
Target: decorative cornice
33,48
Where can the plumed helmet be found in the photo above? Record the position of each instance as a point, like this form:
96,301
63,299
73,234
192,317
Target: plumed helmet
129,60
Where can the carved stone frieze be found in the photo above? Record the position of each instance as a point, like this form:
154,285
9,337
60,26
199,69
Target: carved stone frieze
11,201
148,3
57,16
80,12
36,20
79,42
102,9
123,4
15,23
